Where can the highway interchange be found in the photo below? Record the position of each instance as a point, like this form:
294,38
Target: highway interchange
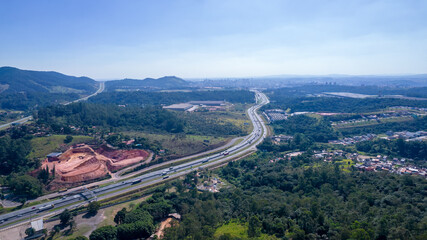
72,200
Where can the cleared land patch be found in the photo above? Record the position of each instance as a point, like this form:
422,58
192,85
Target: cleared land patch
82,163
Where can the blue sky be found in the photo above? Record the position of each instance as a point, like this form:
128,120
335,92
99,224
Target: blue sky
200,39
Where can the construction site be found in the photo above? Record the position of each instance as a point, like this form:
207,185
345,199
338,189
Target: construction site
82,163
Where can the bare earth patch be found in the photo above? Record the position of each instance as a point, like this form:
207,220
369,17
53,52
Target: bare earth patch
163,225
82,163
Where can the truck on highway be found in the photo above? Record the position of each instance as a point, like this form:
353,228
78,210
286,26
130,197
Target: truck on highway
46,207
138,180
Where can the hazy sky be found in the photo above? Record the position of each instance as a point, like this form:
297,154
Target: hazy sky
196,38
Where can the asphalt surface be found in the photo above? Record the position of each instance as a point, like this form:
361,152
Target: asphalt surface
72,200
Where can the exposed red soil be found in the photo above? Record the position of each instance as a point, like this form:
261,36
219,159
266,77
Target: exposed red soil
163,225
83,163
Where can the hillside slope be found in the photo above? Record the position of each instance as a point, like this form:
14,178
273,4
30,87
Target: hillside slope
14,80
168,82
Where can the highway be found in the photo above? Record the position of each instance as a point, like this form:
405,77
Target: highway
19,121
100,90
28,118
73,200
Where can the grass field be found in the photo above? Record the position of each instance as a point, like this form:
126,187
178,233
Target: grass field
110,213
237,230
373,122
181,145
235,115
346,164
45,145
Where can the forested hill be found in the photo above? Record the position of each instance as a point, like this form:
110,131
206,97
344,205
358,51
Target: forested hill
14,80
168,82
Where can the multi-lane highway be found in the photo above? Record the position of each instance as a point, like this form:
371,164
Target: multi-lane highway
100,90
72,200
19,121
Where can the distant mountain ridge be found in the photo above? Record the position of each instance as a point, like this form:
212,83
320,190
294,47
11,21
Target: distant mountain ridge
168,82
14,80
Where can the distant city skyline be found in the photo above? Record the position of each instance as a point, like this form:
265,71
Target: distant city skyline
214,39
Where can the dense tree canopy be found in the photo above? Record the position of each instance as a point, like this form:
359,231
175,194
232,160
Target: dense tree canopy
338,105
104,233
32,100
167,98
316,129
299,200
13,155
416,150
88,115
137,223
25,186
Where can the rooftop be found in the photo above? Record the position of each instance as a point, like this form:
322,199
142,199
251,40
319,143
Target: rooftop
207,102
179,106
54,154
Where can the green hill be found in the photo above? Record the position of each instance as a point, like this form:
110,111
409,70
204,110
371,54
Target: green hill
14,80
26,90
169,82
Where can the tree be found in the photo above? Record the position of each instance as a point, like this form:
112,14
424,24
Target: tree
72,225
159,209
30,231
68,139
360,234
136,230
104,233
138,215
65,217
53,171
44,175
80,238
120,216
13,155
93,207
254,228
25,186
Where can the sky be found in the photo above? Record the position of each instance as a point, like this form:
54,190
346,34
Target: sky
214,38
